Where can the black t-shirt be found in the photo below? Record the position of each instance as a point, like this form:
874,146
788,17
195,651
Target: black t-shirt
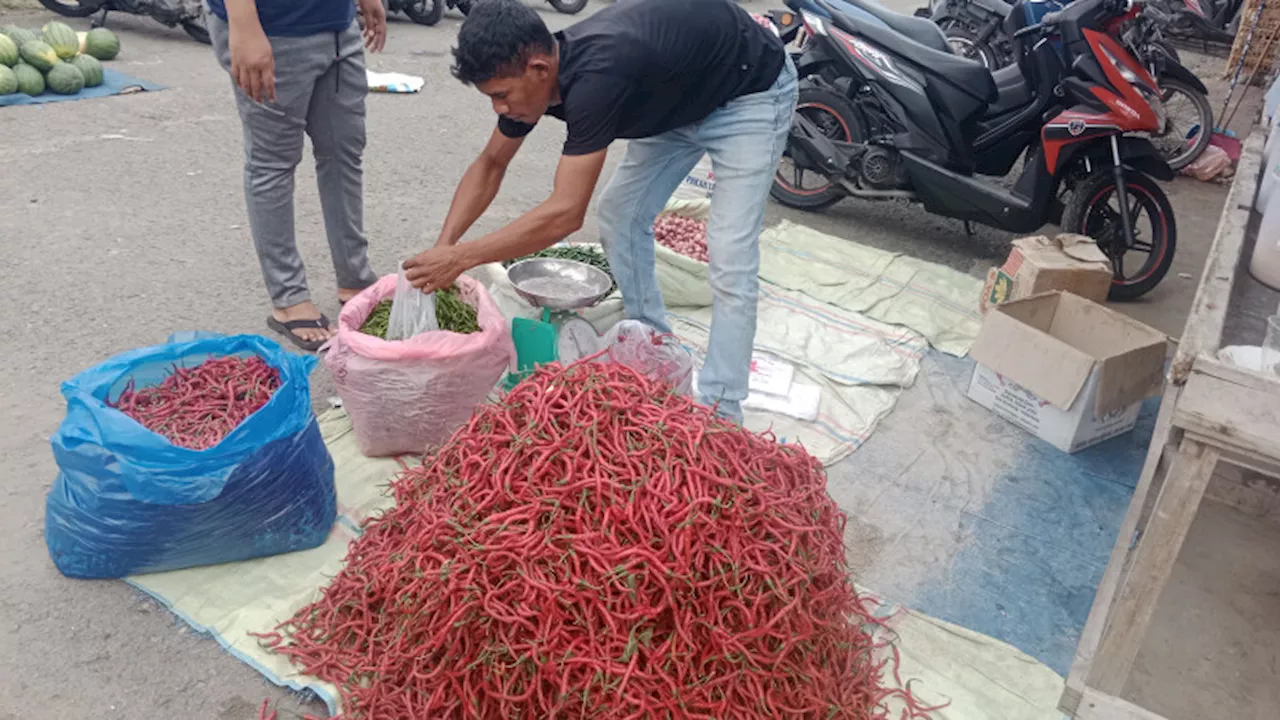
639,68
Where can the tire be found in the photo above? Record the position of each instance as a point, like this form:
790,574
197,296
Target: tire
425,12
569,7
843,123
964,42
69,9
1178,153
1087,213
198,30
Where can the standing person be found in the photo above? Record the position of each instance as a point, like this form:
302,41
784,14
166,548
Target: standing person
298,67
678,78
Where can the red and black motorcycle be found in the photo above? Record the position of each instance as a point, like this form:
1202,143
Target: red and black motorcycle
886,111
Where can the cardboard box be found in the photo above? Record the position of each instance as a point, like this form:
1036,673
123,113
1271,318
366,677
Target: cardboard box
1068,370
1069,262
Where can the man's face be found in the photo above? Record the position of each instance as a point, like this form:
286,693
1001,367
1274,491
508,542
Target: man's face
524,97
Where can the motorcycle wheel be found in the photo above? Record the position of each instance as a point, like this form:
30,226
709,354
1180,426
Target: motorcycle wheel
69,9
425,12
569,7
839,121
965,43
198,30
1174,143
1092,210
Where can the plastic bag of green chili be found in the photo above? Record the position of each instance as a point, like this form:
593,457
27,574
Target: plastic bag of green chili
404,396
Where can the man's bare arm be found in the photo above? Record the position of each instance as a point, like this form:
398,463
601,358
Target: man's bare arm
478,187
554,219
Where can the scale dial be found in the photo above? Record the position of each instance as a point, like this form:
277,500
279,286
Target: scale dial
576,339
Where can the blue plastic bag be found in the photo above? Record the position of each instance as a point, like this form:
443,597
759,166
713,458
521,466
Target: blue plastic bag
128,501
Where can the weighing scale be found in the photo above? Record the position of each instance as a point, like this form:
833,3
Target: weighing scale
559,287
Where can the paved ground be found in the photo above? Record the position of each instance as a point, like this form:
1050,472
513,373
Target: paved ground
122,220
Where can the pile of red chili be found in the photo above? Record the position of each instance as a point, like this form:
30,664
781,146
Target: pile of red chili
196,407
596,546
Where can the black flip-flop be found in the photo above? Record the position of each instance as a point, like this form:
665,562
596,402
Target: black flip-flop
287,329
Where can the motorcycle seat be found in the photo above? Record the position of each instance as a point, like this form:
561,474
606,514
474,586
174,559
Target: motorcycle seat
925,32
970,76
1013,92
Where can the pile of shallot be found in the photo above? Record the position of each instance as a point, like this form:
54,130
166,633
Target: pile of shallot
684,235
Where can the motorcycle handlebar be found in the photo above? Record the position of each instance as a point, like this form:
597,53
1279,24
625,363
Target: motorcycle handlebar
1117,7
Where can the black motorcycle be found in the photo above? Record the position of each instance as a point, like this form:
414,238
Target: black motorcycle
886,111
1205,20
975,29
568,7
422,12
190,16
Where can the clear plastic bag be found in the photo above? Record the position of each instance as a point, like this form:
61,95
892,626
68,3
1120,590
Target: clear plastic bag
413,312
655,355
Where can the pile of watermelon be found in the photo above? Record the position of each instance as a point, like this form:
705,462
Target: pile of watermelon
57,59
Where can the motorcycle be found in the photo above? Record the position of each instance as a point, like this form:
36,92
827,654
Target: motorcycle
568,7
975,29
887,112
188,15
1206,20
422,12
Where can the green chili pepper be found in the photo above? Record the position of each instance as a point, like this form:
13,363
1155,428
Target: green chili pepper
376,323
453,313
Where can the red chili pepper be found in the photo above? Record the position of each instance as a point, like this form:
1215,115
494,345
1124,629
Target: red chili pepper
197,407
596,546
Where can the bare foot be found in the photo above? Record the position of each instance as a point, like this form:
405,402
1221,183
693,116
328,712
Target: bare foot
345,294
303,311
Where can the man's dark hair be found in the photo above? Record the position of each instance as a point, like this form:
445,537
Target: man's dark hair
497,39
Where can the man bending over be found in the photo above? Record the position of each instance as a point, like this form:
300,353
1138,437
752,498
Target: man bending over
677,78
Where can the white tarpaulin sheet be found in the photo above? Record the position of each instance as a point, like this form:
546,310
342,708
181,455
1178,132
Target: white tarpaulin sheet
854,320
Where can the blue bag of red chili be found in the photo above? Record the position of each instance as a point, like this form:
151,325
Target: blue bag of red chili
127,500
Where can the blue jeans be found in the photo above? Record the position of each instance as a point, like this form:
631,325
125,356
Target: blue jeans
744,139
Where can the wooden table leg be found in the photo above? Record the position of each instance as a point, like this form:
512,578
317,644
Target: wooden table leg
1164,445
1190,468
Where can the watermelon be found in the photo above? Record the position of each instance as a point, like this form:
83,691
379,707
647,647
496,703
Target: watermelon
8,51
88,66
62,39
30,81
19,35
65,79
39,55
8,81
102,44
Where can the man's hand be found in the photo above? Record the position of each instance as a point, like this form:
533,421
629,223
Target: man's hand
435,269
253,66
555,219
375,24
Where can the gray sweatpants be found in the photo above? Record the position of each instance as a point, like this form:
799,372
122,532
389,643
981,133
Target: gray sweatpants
320,91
